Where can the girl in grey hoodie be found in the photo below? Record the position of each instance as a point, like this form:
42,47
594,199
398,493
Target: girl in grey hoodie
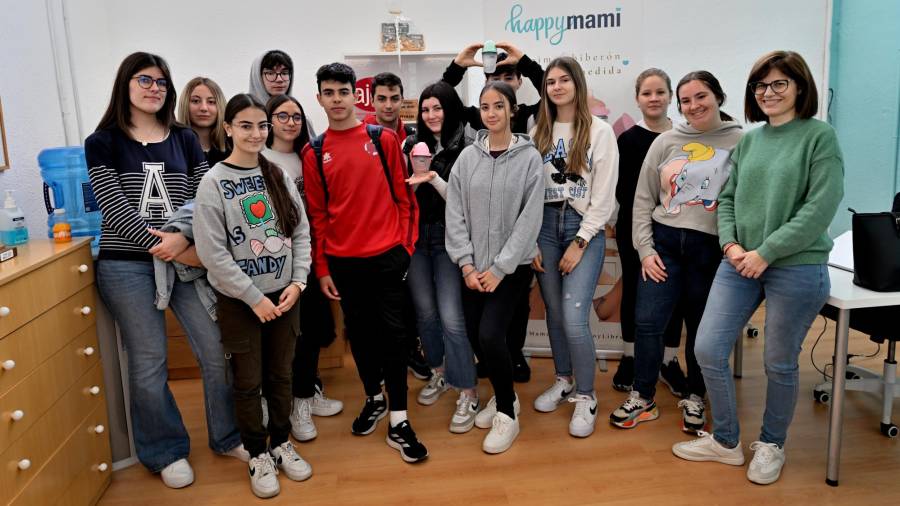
493,216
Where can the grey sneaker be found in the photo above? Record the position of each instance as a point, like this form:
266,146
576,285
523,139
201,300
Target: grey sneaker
693,417
433,390
464,417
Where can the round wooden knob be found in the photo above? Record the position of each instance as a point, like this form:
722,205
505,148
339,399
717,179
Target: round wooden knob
82,268
9,365
94,390
86,310
24,464
88,351
4,311
17,415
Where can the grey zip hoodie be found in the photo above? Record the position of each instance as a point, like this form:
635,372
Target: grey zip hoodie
680,180
495,206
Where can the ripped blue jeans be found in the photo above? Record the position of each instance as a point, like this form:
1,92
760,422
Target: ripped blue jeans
569,298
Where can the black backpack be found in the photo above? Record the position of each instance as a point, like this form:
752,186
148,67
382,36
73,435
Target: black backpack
374,132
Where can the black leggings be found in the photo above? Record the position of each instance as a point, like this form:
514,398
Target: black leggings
488,316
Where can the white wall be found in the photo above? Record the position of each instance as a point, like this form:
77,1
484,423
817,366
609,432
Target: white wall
31,109
220,39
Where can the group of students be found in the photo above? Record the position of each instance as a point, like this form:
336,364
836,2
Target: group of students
228,213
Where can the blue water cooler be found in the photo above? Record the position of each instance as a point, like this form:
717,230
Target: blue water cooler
66,185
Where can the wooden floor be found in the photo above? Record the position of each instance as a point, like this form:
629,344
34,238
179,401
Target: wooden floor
546,465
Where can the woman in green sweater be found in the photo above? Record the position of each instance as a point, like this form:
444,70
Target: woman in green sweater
774,212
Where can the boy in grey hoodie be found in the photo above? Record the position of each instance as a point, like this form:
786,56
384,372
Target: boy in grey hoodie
272,74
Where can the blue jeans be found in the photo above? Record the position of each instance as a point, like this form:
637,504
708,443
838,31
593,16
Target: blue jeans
794,295
691,258
569,298
128,288
436,286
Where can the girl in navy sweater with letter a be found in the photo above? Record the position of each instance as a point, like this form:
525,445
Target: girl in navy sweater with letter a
253,238
143,168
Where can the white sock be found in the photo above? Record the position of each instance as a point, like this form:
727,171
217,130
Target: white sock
379,397
397,417
669,354
629,350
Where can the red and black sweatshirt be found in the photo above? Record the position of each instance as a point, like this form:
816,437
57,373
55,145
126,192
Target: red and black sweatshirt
361,218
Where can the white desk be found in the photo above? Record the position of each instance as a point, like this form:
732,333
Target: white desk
845,296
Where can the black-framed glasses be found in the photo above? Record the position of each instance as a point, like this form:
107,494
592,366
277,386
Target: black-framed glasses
561,176
146,82
283,117
272,76
778,86
247,128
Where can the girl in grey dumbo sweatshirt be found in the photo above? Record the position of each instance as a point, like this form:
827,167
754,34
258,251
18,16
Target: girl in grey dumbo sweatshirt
494,206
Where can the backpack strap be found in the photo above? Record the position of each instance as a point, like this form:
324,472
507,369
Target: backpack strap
316,144
409,129
374,132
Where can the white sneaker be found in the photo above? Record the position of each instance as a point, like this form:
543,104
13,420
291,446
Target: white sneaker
239,453
705,448
265,411
324,406
485,418
289,461
178,474
433,390
302,426
554,396
768,459
504,431
584,417
464,417
263,476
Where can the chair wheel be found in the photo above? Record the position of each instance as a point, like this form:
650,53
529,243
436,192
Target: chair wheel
752,332
821,396
890,430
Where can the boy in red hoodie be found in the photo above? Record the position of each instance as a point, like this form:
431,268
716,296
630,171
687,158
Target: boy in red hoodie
363,217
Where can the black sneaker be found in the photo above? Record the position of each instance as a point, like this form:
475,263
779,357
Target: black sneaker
521,370
624,377
372,411
417,365
403,438
673,377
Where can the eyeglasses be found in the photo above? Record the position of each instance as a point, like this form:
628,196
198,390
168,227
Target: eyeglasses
247,128
778,86
272,76
283,117
146,82
561,176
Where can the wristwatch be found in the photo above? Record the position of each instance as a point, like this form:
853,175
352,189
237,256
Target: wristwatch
301,286
580,242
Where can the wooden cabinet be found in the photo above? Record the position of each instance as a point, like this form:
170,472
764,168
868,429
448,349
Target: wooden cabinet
54,447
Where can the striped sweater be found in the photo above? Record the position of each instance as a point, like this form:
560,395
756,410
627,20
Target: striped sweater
140,186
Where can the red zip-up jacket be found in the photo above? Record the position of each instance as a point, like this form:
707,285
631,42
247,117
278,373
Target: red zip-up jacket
361,218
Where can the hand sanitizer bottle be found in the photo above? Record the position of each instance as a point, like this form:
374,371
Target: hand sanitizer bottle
12,223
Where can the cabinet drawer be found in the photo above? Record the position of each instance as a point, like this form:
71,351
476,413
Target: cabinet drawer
28,296
81,467
30,345
41,389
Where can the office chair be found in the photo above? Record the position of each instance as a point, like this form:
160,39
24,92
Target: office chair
882,324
